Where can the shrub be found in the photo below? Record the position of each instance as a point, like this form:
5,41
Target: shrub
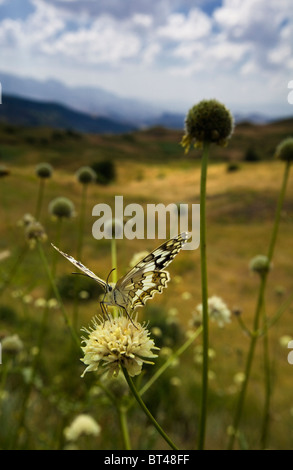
105,170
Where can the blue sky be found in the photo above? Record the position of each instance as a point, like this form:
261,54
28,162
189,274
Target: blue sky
170,52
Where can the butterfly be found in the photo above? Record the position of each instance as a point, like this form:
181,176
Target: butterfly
144,280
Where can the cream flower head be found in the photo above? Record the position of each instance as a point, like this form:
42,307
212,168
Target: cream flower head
82,424
217,310
117,341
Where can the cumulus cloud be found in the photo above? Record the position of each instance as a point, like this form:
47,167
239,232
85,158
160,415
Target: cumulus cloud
189,39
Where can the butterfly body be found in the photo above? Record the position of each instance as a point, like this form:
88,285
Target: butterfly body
145,279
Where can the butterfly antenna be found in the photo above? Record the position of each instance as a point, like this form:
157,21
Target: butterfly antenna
113,269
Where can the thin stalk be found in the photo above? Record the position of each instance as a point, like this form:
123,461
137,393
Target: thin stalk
122,414
268,390
170,360
57,243
14,268
40,198
260,302
204,294
146,410
57,295
79,250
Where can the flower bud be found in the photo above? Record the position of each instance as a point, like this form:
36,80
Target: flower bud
260,264
284,150
208,121
62,207
44,170
86,175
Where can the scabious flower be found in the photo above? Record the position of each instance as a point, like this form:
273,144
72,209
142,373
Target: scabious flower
82,424
34,233
62,207
260,264
4,171
217,310
44,170
208,121
86,175
12,344
117,342
284,150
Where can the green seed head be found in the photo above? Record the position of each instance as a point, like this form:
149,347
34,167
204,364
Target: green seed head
260,264
86,175
62,207
284,150
44,170
208,121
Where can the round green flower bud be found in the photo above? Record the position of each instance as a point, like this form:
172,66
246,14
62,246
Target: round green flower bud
44,170
86,175
62,207
208,121
284,150
4,171
260,264
35,232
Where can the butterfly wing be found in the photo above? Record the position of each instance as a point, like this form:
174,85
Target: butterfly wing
83,268
148,277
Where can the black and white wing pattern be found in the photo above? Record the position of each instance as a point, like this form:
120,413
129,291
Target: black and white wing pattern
83,268
143,281
148,276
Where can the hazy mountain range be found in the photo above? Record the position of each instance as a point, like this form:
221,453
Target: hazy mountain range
27,101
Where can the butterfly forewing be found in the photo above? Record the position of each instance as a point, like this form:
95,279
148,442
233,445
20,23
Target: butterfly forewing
83,268
144,280
148,277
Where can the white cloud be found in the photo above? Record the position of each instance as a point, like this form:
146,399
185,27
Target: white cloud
104,41
84,40
181,27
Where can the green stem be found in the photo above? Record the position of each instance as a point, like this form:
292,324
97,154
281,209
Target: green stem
146,410
14,268
268,390
79,251
122,414
40,198
57,295
204,293
278,211
81,221
170,360
57,243
255,334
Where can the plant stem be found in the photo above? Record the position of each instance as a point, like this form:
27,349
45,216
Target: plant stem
14,268
122,413
204,294
146,410
170,360
57,295
255,333
40,198
79,251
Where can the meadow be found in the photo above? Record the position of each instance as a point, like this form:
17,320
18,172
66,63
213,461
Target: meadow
41,391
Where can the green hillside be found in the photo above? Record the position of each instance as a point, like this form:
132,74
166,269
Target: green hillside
40,386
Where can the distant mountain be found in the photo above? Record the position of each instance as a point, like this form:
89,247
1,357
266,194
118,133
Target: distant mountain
90,109
89,100
26,112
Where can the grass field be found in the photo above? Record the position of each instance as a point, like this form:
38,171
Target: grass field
41,390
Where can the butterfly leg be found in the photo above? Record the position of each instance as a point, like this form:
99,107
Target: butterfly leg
104,310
